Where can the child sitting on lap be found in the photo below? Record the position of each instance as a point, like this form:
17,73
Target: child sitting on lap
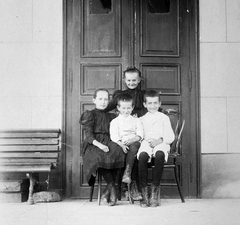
132,79
126,131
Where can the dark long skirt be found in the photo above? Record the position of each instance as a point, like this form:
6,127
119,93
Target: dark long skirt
95,158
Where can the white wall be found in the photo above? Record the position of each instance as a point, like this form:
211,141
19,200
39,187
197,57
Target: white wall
220,96
31,64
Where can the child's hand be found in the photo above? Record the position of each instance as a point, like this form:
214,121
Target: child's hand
128,142
123,146
131,140
155,142
104,148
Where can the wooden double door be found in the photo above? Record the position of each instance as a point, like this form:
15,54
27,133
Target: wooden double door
103,38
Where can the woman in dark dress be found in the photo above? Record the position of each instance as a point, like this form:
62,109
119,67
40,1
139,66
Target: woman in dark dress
99,152
132,79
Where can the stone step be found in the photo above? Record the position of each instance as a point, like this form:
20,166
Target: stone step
13,191
13,197
13,185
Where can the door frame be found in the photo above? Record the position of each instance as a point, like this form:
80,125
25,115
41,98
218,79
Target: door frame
194,79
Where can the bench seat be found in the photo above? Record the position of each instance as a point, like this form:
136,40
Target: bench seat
30,151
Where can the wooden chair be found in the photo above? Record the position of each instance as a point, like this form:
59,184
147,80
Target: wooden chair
99,184
99,178
178,126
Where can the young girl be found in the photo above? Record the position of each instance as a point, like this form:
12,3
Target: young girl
99,152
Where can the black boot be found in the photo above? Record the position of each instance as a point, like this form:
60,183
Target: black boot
144,201
154,196
135,194
113,195
127,175
105,195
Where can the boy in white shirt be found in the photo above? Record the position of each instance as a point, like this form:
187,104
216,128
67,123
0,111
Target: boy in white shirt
126,131
157,137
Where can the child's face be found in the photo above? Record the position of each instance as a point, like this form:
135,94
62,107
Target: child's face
125,108
101,100
132,80
152,104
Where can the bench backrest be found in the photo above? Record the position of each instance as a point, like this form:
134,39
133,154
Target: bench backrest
37,149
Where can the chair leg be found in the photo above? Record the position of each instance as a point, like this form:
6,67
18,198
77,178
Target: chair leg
178,184
91,193
159,193
131,201
99,188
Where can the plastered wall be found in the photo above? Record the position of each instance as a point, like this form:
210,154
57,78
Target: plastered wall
30,64
220,97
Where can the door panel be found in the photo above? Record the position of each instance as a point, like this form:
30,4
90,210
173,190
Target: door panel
164,78
102,75
104,38
159,30
101,29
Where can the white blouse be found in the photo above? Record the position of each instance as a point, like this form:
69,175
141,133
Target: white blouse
124,128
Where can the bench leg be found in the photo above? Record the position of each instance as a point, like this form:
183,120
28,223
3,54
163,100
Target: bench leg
32,183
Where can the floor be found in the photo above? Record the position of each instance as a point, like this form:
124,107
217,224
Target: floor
83,212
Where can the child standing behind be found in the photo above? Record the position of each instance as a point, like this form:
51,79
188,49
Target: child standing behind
126,131
99,152
132,79
157,137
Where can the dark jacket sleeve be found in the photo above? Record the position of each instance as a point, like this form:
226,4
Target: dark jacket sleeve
113,103
87,122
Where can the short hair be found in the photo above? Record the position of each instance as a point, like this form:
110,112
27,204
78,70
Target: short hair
98,90
132,70
151,93
124,98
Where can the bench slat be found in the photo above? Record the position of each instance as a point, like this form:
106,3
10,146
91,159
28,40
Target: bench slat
29,135
4,142
26,168
19,161
30,131
29,155
29,148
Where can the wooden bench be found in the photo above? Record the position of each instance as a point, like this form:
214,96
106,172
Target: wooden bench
29,151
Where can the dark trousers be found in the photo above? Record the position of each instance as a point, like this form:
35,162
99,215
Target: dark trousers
132,152
131,160
157,171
